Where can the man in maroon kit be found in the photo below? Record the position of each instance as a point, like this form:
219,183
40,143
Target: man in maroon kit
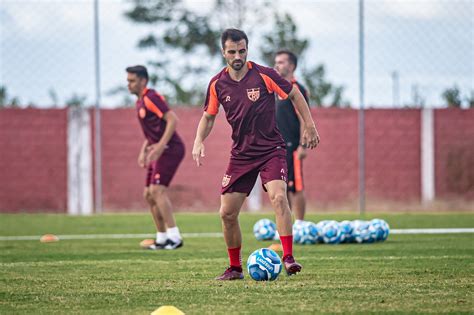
246,92
161,154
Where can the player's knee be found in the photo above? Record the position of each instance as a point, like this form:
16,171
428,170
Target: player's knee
227,215
147,195
158,191
279,200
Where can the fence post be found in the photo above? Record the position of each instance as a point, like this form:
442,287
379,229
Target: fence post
79,162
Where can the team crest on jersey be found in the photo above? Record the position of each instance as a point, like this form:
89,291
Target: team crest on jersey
226,180
253,94
142,112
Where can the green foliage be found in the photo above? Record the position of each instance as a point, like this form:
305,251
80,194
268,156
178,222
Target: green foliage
54,97
187,34
76,100
6,101
405,274
452,97
284,35
182,33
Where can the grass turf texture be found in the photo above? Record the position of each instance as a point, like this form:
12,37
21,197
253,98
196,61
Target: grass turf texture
405,274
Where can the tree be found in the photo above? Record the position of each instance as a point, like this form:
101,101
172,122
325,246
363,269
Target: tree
54,97
285,35
5,101
187,42
182,33
452,97
76,101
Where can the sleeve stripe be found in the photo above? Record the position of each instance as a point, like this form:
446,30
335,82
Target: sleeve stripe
213,102
152,107
273,87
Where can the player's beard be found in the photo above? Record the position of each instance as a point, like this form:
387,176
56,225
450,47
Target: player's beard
237,64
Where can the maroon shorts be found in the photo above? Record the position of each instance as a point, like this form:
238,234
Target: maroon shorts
162,171
241,176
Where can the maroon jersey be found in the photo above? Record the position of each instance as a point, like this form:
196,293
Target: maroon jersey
249,106
151,109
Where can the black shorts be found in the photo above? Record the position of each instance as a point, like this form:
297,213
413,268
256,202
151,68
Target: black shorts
295,171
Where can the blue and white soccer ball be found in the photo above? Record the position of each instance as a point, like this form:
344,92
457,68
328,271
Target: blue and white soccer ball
264,229
305,233
363,232
346,228
382,229
356,224
331,233
322,223
264,264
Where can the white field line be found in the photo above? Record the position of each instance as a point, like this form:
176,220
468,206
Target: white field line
432,231
104,236
214,260
212,235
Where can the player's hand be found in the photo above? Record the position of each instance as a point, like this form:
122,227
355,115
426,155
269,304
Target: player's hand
198,152
301,152
141,158
154,152
311,137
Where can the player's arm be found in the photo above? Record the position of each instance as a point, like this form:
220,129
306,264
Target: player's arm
157,149
310,134
204,129
301,150
142,154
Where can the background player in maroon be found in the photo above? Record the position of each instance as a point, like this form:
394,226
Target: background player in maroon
161,153
290,123
246,92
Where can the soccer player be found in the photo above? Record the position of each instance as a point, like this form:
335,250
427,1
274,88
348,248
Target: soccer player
246,92
290,124
161,153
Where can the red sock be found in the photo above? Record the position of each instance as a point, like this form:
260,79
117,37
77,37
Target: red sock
234,256
287,244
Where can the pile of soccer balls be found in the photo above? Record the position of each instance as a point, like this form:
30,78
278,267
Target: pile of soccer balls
328,231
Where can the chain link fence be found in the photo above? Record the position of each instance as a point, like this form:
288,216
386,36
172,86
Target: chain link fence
414,50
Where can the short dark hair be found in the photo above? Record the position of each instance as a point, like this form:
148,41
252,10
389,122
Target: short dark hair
234,35
140,71
291,56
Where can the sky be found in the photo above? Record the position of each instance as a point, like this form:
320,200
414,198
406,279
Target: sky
47,48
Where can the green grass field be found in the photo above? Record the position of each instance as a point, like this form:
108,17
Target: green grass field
405,274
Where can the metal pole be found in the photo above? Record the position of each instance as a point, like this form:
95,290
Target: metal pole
395,89
361,111
98,134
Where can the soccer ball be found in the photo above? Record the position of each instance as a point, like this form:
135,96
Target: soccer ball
346,228
264,265
305,233
364,232
264,229
386,230
382,229
322,223
331,233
